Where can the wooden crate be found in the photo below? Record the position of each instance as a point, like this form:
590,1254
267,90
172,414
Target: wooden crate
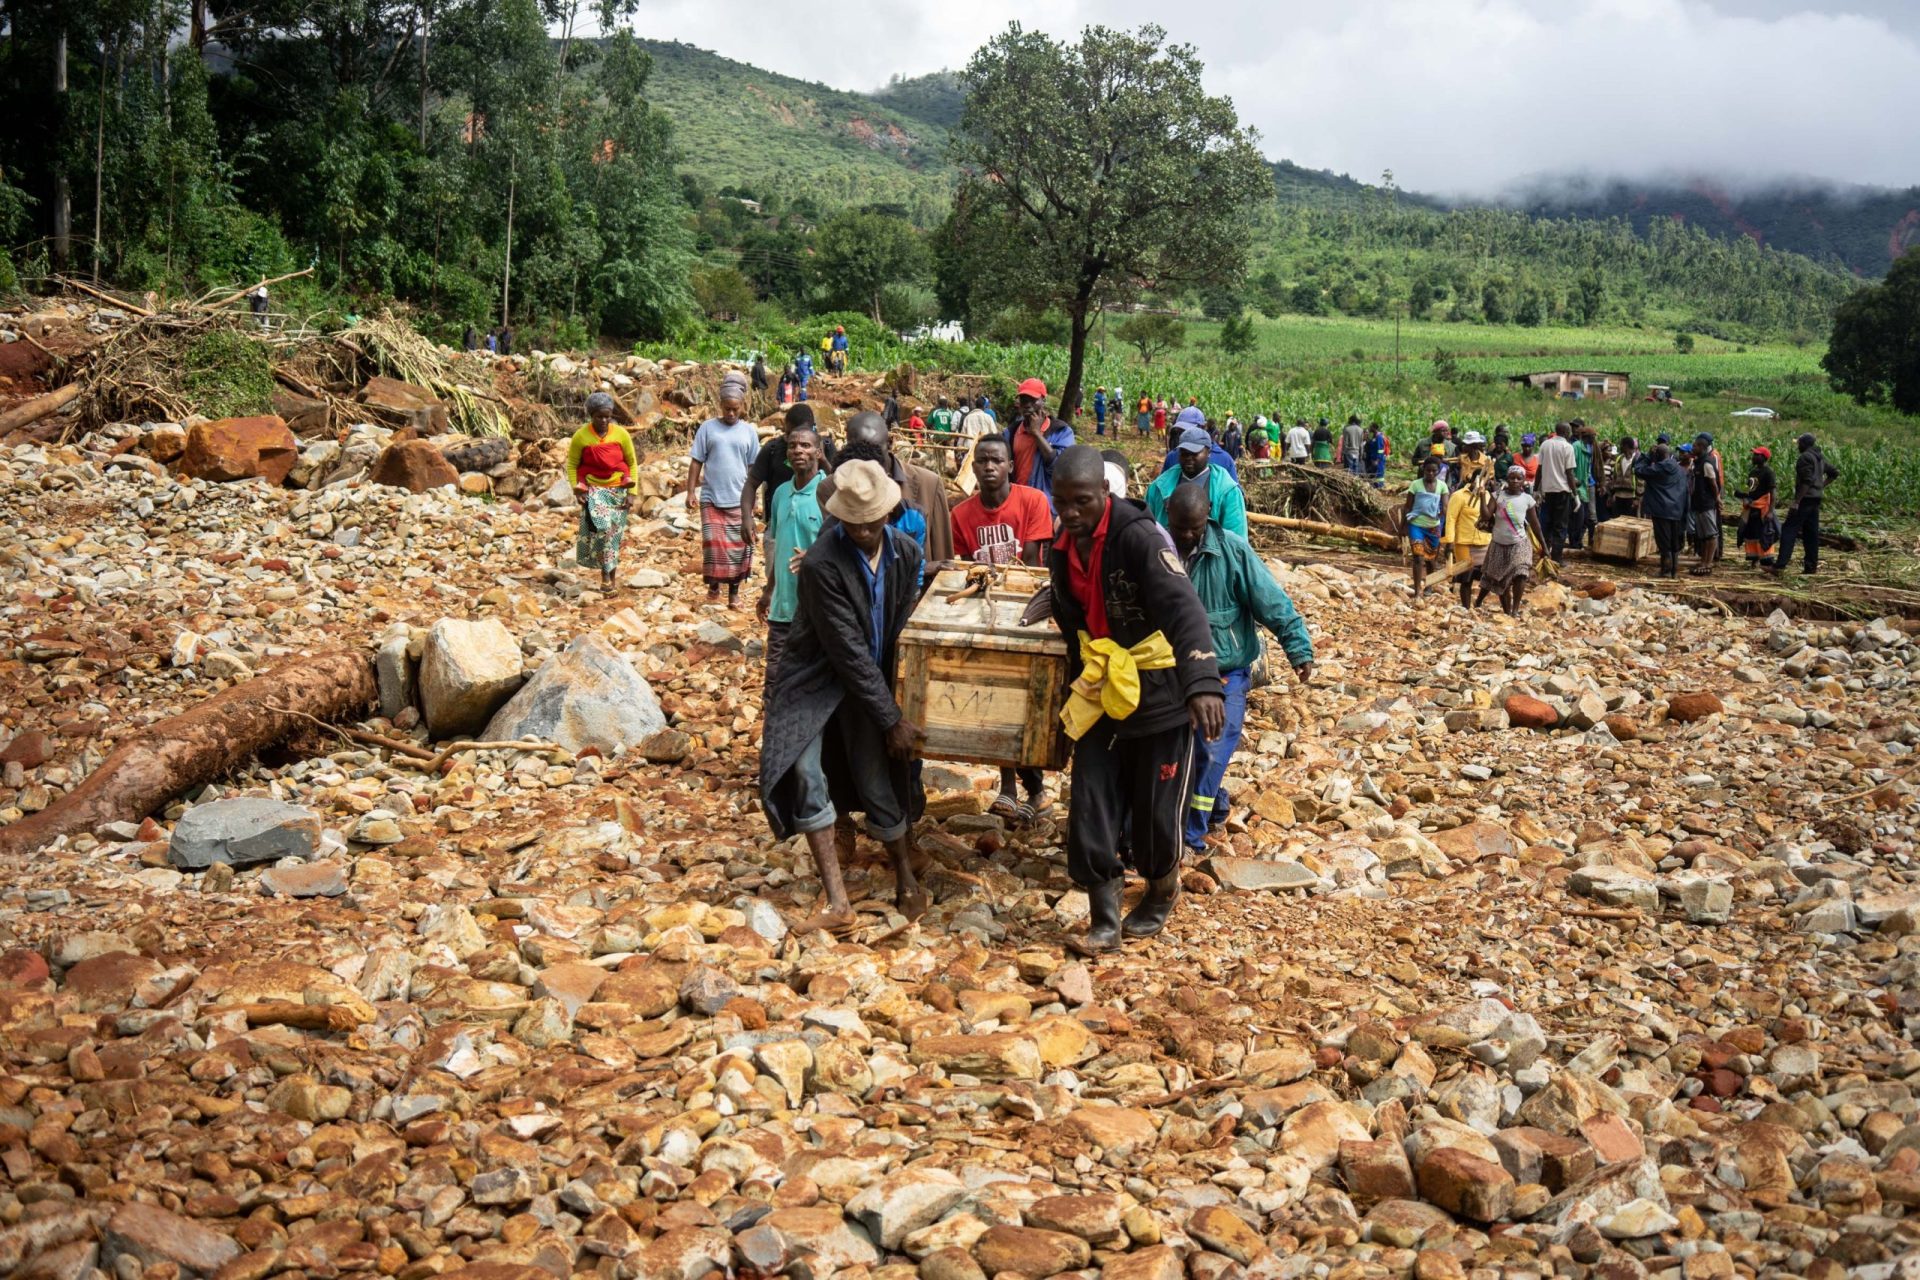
1627,538
985,688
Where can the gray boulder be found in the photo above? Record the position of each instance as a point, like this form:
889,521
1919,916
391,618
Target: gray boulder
394,671
242,832
588,695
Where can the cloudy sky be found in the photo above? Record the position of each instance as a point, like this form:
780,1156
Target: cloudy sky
1455,96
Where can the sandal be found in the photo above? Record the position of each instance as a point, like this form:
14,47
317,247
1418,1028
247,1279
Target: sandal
1011,807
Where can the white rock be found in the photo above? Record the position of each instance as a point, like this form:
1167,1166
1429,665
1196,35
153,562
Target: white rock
468,669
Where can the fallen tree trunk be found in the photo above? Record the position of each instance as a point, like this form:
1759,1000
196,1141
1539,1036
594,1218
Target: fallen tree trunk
104,296
1372,537
22,415
168,758
218,303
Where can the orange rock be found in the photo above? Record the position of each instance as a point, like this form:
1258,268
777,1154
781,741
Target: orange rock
1684,708
413,465
1524,712
240,449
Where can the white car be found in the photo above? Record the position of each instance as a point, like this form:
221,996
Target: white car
1756,411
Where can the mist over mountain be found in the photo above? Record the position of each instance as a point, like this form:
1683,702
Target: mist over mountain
1860,228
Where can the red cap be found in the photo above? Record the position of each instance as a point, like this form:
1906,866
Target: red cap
1033,387
1763,452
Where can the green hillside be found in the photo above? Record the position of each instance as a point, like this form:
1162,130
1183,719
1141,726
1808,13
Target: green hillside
936,98
738,126
1331,244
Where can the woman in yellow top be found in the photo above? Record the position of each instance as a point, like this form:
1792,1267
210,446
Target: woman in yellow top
1464,535
603,472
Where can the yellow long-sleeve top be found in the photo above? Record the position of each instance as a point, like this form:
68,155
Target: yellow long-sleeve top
1463,521
605,462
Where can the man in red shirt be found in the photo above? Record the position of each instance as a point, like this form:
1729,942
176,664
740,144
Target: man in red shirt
1115,579
1036,438
1005,523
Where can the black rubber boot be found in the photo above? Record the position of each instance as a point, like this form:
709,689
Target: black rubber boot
1103,929
1150,917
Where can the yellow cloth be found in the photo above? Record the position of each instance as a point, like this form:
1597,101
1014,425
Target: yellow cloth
1109,682
1463,524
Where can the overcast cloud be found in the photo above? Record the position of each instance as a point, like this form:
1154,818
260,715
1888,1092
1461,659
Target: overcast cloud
1457,97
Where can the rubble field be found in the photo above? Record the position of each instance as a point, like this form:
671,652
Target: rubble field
1584,944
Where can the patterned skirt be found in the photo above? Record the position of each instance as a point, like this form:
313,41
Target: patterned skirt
603,523
725,554
1508,562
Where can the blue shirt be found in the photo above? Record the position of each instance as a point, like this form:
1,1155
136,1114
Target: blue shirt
724,453
876,576
803,368
1100,405
1377,454
911,522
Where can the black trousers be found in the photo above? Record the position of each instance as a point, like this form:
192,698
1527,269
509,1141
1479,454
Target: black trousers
1669,536
1558,508
1121,785
1802,524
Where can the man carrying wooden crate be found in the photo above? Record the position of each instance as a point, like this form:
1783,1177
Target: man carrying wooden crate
835,739
1145,680
1005,523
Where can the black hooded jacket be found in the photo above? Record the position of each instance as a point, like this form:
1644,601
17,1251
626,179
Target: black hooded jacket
1146,590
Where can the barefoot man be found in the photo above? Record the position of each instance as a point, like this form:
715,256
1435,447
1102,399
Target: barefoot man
835,739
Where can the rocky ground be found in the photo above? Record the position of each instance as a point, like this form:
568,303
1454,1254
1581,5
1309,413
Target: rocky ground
1573,945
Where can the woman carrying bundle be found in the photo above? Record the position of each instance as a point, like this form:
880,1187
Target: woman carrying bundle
602,472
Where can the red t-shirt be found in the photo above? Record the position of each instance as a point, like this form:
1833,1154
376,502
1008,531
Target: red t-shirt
996,535
1025,451
1084,579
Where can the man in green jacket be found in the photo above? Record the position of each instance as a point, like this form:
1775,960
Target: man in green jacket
1239,595
1224,498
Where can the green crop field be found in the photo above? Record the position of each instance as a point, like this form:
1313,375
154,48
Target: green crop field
1306,367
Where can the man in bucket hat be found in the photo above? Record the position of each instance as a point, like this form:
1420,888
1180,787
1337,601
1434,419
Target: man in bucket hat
835,739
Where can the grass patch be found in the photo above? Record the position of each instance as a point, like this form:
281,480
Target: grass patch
227,375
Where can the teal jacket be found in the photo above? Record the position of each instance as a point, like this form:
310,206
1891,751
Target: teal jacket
1238,592
1228,503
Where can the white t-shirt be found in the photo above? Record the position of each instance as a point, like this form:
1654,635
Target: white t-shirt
1556,465
1299,442
1510,516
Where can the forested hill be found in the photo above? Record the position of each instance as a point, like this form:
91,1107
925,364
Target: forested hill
1332,244
737,126
1862,229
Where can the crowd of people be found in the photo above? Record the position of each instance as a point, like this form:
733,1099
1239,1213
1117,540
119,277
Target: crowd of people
1577,481
1156,590
1158,595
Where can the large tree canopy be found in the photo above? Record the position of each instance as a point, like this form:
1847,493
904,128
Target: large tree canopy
1874,354
1097,169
